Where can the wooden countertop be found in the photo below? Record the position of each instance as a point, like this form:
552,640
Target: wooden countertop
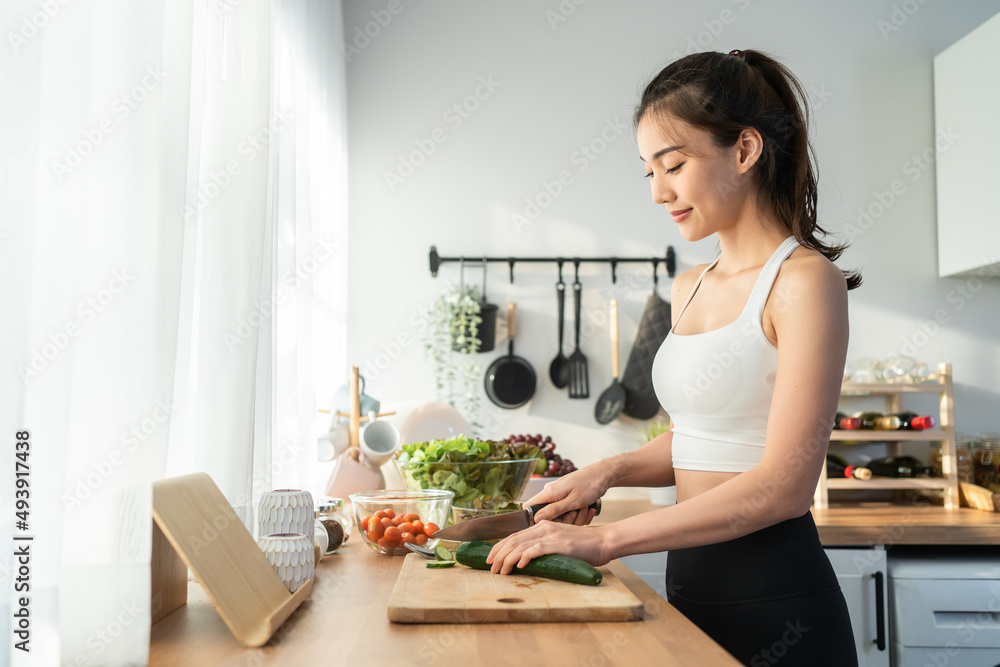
344,623
874,523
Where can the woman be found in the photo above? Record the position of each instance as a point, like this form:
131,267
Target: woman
750,375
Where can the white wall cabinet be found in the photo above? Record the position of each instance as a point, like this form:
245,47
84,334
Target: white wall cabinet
966,99
862,575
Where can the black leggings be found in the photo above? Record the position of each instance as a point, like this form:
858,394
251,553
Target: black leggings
769,598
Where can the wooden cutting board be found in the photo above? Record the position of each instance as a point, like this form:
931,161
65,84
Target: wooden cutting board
463,595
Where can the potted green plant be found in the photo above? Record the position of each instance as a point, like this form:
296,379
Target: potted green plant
452,341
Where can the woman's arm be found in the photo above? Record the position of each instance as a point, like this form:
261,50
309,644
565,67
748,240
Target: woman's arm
810,321
650,465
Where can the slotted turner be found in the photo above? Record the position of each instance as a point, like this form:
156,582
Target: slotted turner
579,383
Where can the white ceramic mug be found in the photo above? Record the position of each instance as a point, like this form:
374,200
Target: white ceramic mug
379,441
333,444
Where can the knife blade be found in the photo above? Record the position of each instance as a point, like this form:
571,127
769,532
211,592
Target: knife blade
498,525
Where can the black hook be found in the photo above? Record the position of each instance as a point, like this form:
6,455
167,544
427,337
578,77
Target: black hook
614,267
510,260
435,260
671,261
656,278
576,269
560,261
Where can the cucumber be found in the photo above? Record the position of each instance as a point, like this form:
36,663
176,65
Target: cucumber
442,553
549,566
435,564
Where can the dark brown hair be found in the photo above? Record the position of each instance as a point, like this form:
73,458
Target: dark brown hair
724,94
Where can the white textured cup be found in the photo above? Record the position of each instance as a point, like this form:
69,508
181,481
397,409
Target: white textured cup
379,441
285,511
293,557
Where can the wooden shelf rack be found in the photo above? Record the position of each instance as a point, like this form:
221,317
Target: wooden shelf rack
894,440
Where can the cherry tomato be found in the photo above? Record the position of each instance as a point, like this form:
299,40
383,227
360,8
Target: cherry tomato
364,522
376,528
412,517
390,513
406,538
406,527
380,514
382,543
430,529
386,522
418,527
420,539
392,533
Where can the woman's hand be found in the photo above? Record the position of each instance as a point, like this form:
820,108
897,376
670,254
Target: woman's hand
549,537
573,492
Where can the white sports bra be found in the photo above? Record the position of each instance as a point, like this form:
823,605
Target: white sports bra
717,385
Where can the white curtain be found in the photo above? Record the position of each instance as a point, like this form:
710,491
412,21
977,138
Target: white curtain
311,242
171,254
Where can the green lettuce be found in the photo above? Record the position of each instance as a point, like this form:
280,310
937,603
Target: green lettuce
452,464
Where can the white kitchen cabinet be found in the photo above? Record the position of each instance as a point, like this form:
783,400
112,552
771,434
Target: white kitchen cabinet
651,568
862,576
945,607
965,147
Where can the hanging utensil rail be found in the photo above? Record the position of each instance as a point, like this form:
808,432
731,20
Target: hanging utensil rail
669,259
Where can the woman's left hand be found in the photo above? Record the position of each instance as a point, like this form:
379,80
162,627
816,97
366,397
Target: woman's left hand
549,537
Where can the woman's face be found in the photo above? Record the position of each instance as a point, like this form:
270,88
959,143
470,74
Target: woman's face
704,188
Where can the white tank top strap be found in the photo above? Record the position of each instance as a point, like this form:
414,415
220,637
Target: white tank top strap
694,289
768,274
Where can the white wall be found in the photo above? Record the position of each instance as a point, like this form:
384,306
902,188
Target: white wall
558,85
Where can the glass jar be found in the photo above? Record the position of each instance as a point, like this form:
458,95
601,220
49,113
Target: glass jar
966,445
986,461
331,515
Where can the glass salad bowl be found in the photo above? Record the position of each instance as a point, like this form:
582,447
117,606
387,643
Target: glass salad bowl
483,474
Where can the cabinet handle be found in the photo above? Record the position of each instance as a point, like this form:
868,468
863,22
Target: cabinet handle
879,612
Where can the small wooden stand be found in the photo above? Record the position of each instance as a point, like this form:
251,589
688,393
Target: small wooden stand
350,475
355,413
195,527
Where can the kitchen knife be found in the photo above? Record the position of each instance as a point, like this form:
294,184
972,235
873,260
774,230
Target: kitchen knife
498,525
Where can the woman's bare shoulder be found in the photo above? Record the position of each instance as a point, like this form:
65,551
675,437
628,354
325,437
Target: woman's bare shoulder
807,280
684,283
808,266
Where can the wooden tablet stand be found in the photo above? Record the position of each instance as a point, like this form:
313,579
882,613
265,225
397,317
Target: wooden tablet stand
195,527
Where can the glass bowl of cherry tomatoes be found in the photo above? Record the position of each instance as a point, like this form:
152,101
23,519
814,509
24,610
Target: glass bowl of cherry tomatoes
389,519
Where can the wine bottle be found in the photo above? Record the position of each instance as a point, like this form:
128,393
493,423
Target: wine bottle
900,466
876,420
838,467
910,421
846,423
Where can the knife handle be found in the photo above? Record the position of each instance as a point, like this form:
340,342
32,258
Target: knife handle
534,509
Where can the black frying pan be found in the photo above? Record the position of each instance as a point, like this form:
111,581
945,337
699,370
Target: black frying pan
510,380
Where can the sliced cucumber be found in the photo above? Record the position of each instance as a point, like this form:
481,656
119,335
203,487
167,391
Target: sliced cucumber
435,564
442,553
549,566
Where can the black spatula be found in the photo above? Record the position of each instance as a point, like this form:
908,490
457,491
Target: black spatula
611,402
